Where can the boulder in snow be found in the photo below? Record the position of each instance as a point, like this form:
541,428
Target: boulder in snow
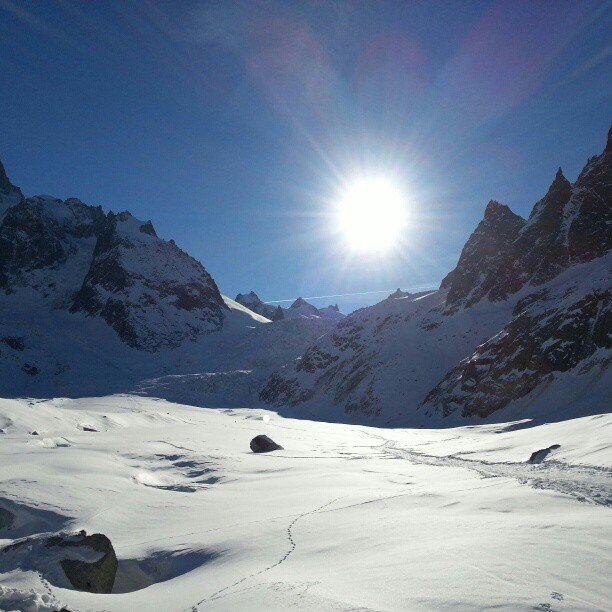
539,455
264,444
86,563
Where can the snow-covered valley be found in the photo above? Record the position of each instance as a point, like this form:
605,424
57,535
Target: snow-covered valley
346,517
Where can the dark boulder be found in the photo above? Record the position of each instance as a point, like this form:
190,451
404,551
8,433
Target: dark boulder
539,455
94,577
263,444
86,562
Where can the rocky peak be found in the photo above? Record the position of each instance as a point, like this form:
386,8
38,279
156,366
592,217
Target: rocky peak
398,293
299,302
484,252
147,228
548,211
9,193
5,184
250,298
147,289
279,314
252,301
496,212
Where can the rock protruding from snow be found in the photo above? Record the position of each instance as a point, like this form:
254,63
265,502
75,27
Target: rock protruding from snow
541,454
252,302
264,444
551,332
68,560
147,289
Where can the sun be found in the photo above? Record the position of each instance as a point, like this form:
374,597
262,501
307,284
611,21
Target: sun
371,215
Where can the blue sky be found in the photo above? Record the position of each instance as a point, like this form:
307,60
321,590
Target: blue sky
234,125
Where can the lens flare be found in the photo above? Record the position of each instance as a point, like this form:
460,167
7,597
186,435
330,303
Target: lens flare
371,215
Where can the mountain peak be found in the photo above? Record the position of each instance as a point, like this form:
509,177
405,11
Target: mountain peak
299,302
5,184
560,186
609,143
495,211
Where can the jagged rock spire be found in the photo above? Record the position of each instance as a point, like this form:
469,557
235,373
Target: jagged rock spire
4,179
5,184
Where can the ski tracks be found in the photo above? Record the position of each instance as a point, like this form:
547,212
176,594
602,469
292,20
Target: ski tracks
290,550
590,484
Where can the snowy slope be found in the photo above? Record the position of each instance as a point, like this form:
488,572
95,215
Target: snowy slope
84,355
346,517
528,305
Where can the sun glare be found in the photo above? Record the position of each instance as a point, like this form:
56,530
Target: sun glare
372,215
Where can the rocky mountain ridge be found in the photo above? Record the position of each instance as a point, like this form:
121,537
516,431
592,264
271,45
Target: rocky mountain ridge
109,265
528,301
299,308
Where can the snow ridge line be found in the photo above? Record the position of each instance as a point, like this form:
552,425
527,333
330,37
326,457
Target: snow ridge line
292,546
589,484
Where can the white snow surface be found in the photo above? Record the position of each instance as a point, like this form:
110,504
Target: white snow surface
346,517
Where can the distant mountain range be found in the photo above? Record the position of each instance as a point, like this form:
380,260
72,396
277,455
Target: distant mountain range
299,308
522,324
94,302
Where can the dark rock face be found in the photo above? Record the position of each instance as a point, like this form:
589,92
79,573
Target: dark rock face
113,266
550,336
136,279
8,191
7,518
97,576
302,304
252,302
340,365
42,233
486,250
89,563
527,302
570,224
278,314
539,455
263,444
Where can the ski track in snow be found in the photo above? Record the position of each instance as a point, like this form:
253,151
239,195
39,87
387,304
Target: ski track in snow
588,484
291,549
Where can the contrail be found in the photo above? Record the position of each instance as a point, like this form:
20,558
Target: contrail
337,295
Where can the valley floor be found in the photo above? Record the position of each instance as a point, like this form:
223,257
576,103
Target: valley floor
345,518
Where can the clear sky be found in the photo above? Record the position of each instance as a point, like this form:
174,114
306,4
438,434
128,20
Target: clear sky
234,126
